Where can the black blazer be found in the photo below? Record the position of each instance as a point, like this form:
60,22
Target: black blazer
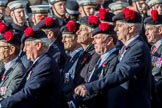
39,88
100,98
133,75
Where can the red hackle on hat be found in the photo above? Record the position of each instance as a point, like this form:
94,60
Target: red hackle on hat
29,32
103,26
93,20
8,36
48,21
102,13
3,28
154,15
129,15
71,27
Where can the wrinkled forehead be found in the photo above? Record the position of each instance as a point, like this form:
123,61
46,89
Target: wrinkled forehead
83,26
152,26
68,35
99,35
28,42
118,22
2,42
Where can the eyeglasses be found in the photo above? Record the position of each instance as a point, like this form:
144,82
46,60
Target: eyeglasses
4,47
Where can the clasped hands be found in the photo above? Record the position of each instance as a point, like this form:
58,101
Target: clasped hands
81,90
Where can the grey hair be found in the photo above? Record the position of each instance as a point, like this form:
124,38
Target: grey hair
90,29
158,25
44,41
138,26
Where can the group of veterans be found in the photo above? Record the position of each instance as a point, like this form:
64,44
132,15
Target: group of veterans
81,54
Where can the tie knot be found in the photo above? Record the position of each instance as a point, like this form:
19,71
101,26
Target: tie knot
124,48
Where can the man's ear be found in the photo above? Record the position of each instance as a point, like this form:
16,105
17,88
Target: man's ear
110,40
80,10
50,35
11,14
39,45
131,29
160,30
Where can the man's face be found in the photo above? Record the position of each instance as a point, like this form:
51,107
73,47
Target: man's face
59,8
36,18
4,51
18,15
151,33
2,10
144,6
100,43
31,50
121,30
69,41
84,35
158,7
87,10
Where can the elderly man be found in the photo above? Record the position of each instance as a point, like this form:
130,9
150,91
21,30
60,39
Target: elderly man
106,16
133,73
56,50
87,24
104,44
40,86
74,50
13,69
154,35
80,67
69,37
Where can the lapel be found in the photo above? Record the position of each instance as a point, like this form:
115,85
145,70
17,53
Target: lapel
26,75
158,52
71,61
106,64
8,76
84,58
102,70
135,41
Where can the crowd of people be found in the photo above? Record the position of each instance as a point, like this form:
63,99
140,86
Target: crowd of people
81,54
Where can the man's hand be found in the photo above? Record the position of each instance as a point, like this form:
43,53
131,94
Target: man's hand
81,90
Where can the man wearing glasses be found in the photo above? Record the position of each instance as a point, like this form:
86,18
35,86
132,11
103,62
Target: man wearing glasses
11,74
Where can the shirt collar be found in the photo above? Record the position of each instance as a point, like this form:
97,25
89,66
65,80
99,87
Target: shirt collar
10,64
39,57
158,43
106,55
76,51
131,40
